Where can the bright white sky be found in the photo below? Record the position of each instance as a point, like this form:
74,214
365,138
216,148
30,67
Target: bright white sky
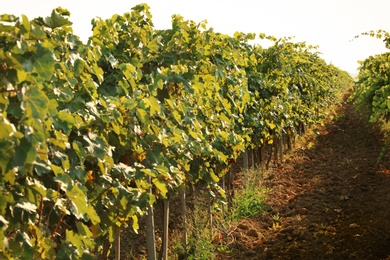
331,24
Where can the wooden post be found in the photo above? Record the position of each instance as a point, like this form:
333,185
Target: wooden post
184,214
245,165
269,156
211,217
281,152
252,151
150,236
224,188
117,243
165,230
276,152
230,187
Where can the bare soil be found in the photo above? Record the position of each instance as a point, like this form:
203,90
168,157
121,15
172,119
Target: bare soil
331,201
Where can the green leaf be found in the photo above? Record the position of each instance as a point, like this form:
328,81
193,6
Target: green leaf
37,33
75,240
5,199
79,199
37,187
135,224
99,73
25,153
149,172
4,223
214,177
56,169
6,27
161,186
10,60
10,177
115,127
43,62
22,75
62,11
65,121
8,18
63,179
83,230
271,126
143,116
93,216
154,106
3,103
56,19
6,155
220,156
34,104
129,103
161,169
97,145
130,74
177,116
25,24
79,66
60,140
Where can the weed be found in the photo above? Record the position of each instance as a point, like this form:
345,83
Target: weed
323,226
275,226
201,247
199,242
276,218
248,203
203,242
251,199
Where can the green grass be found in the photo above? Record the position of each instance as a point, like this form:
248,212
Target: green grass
250,200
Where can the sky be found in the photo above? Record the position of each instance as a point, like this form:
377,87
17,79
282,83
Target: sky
330,24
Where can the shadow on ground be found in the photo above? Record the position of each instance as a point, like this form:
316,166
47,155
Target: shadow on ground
328,202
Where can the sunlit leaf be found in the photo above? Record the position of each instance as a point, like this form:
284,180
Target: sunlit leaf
161,186
143,115
25,24
35,103
65,121
27,206
154,106
79,66
78,197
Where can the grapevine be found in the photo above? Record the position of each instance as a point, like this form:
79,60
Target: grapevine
92,135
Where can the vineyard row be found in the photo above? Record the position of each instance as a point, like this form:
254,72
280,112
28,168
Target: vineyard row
92,135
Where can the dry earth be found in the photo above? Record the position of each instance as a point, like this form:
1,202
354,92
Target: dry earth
328,202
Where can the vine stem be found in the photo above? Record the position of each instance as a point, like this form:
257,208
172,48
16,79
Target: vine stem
8,90
57,225
51,210
102,192
40,211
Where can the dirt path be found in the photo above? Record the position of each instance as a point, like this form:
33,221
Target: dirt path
328,202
